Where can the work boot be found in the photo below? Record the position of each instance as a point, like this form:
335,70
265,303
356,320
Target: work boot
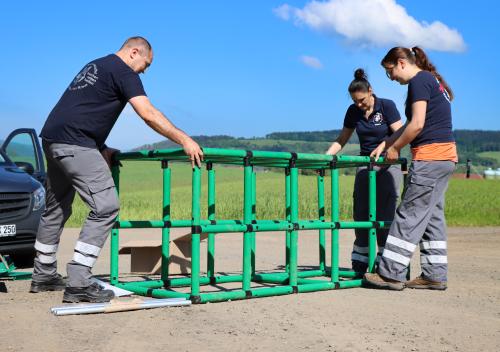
422,283
57,283
93,293
378,281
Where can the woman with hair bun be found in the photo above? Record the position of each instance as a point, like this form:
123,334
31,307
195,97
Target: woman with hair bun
420,216
374,120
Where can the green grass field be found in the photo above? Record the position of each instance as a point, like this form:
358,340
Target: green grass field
468,202
491,155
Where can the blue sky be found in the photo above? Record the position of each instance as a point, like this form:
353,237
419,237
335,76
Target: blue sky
247,68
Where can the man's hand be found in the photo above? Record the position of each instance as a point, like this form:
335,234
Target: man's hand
392,154
193,150
377,151
107,154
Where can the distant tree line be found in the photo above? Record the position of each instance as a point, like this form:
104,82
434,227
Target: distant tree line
469,143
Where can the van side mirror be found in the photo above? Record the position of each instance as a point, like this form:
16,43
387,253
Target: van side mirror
26,167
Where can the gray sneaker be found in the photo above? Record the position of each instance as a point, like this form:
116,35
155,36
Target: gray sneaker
93,293
378,281
57,283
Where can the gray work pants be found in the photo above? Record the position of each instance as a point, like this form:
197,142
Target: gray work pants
420,220
73,168
388,182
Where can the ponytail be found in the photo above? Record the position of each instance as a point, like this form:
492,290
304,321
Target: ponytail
422,62
360,82
417,57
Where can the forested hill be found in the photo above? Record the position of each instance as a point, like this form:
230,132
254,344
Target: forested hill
483,147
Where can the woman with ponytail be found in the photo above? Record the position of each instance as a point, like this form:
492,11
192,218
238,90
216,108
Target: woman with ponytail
420,216
374,119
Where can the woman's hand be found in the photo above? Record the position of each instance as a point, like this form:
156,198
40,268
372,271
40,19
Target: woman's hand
334,149
392,154
377,151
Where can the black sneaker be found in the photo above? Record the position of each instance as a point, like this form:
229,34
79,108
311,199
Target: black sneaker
57,283
93,293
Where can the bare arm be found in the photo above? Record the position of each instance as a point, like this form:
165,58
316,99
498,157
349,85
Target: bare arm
414,127
161,124
341,140
397,128
410,131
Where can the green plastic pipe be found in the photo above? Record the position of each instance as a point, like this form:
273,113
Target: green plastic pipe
335,218
114,244
211,217
152,292
254,217
247,219
288,218
372,215
195,237
321,216
165,231
294,217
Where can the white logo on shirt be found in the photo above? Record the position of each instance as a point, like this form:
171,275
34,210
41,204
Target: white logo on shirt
377,119
86,76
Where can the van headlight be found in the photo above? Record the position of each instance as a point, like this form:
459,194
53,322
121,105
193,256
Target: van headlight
38,198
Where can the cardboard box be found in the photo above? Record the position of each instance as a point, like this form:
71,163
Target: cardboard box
145,255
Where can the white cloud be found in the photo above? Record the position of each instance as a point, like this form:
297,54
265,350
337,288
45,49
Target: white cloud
283,12
378,23
311,62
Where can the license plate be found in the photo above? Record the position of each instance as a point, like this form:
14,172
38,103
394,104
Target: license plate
7,230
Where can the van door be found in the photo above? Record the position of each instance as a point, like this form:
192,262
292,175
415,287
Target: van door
23,148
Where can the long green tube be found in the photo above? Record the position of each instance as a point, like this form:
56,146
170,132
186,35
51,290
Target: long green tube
257,226
247,219
165,231
211,217
195,237
254,217
288,218
321,216
114,245
294,217
372,215
335,218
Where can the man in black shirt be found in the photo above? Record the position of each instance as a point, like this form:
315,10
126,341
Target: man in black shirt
77,161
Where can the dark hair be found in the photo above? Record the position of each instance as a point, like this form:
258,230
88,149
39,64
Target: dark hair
137,41
360,82
417,57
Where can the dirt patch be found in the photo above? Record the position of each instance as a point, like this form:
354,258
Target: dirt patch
466,317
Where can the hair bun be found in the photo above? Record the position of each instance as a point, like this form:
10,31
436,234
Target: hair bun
360,74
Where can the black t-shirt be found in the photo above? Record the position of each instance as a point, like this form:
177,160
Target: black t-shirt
438,127
372,131
90,106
